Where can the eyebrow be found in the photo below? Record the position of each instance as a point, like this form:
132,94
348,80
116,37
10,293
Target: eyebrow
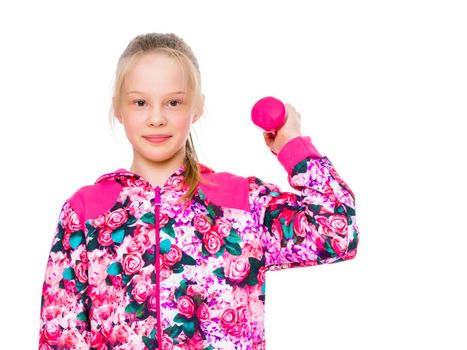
170,93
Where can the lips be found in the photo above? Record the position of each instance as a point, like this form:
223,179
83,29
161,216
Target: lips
157,136
157,139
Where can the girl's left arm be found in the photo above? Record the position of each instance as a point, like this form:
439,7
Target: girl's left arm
315,226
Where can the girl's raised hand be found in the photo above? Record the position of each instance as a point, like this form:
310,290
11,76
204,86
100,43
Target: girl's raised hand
288,131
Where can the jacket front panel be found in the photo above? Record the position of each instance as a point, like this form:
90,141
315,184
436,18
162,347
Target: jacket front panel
188,267
140,270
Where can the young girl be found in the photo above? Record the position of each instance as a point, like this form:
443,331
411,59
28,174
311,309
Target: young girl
170,254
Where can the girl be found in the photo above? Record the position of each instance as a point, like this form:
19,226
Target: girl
170,254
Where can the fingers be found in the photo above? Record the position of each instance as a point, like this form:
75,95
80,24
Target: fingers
292,109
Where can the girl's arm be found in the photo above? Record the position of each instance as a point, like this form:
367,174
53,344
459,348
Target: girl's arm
64,306
314,227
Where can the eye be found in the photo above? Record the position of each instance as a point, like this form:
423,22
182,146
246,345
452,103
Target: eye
137,101
177,101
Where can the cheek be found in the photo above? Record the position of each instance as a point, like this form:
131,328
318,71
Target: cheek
183,125
133,123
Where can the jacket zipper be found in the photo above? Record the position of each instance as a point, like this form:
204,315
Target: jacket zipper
157,204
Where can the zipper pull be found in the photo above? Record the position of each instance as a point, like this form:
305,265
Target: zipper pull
158,195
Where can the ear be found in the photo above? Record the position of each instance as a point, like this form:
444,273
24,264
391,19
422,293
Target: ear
116,110
200,110
195,119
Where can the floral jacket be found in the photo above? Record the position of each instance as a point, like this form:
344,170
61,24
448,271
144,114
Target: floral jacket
129,268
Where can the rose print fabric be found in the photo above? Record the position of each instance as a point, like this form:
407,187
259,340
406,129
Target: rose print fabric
130,267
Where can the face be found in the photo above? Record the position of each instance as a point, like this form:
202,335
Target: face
155,101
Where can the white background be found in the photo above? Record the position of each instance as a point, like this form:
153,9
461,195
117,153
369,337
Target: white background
381,87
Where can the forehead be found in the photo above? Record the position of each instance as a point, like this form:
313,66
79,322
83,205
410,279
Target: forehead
155,72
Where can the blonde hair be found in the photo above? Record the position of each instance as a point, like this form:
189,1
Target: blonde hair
176,48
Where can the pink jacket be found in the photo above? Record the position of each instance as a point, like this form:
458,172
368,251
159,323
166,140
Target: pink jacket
131,269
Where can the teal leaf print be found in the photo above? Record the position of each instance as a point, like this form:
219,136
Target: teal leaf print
204,251
114,269
255,265
187,260
119,205
353,243
118,234
126,279
220,252
148,258
201,194
142,313
252,279
148,218
173,331
132,307
233,248
178,268
165,246
199,235
178,293
214,211
150,344
182,289
211,212
58,247
76,238
108,281
219,272
69,274
92,231
233,237
80,286
329,249
350,211
270,216
300,167
180,318
82,316
60,231
288,230
131,220
169,229
92,244
315,208
189,328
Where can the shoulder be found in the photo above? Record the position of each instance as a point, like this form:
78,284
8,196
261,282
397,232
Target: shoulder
231,190
91,200
226,189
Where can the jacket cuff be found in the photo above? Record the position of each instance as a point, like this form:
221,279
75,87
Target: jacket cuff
296,150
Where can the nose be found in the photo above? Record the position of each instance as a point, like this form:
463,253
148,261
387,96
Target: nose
156,117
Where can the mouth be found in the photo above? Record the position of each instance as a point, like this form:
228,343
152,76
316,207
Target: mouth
157,138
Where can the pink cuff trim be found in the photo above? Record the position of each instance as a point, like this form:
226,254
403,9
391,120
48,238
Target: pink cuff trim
296,150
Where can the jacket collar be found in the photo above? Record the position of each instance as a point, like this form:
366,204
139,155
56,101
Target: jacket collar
125,176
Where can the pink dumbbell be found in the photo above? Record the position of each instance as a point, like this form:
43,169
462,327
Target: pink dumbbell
269,114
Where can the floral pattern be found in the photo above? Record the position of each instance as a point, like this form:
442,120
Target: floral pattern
152,274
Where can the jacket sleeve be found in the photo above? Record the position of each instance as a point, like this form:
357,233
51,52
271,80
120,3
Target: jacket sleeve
64,307
316,226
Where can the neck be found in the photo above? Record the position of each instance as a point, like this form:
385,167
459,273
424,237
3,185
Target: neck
158,172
